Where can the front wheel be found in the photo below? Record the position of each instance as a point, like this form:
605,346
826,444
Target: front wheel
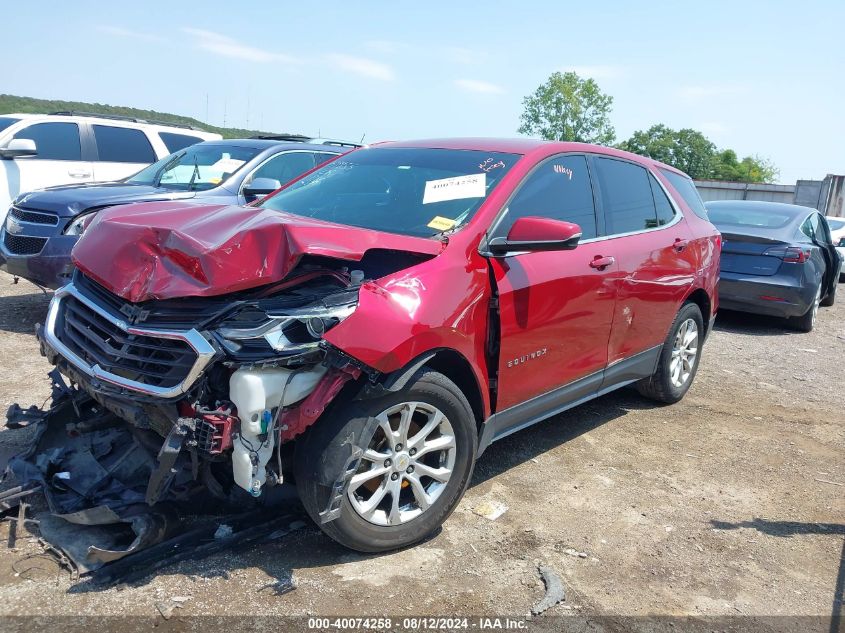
415,467
678,361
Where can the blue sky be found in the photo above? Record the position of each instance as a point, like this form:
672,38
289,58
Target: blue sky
760,77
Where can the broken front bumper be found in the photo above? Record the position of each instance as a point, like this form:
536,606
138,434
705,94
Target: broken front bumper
54,330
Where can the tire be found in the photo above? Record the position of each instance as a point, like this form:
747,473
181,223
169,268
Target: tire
830,299
391,525
807,321
662,385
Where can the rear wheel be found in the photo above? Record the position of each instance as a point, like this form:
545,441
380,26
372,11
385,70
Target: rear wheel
679,358
807,321
415,467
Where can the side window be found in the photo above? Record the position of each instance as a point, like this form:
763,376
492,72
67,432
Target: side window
665,210
686,188
123,145
626,196
174,142
54,141
808,229
559,189
286,166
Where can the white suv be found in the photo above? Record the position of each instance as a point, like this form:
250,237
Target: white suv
42,150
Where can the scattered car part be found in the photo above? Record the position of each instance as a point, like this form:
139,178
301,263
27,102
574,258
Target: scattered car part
554,590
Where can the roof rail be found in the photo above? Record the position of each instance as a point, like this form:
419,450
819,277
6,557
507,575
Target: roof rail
299,138
294,138
331,141
119,117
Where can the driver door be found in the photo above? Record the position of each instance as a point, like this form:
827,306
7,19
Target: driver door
555,307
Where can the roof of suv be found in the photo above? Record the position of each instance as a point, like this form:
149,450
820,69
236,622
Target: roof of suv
524,145
112,120
263,144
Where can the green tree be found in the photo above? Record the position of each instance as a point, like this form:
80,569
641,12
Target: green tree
749,169
692,152
568,108
687,149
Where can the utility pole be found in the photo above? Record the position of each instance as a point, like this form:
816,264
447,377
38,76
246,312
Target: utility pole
225,102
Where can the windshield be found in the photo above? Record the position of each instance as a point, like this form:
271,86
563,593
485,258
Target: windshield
412,191
195,168
6,121
835,225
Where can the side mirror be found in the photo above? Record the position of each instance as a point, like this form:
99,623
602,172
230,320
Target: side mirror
261,187
536,234
19,147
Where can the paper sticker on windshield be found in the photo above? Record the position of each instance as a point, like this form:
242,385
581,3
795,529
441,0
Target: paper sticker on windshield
439,223
227,165
458,188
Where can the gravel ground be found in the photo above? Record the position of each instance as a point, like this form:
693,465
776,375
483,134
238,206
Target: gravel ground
730,502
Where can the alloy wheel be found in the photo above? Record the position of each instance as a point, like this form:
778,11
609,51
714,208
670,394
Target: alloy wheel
406,466
684,353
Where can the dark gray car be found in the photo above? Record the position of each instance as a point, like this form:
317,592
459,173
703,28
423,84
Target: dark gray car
42,226
777,259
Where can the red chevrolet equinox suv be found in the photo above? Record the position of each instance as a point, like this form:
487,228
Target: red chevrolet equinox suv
370,328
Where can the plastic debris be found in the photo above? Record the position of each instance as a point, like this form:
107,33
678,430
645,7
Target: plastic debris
554,590
491,510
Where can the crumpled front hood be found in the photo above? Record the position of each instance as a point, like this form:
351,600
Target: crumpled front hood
69,200
162,250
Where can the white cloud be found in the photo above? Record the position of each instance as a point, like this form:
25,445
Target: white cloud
478,86
594,72
228,47
362,66
119,31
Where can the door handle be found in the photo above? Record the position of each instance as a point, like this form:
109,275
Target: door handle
680,244
600,263
78,173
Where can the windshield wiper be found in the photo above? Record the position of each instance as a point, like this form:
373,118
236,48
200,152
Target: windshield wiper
194,175
160,173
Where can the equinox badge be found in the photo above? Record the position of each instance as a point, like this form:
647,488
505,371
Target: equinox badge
523,359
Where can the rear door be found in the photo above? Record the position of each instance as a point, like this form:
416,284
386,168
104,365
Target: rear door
650,240
555,308
58,161
820,234
120,152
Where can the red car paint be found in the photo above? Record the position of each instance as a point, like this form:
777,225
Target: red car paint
161,250
571,313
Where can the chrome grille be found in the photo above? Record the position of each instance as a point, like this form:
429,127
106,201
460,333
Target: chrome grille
34,217
98,341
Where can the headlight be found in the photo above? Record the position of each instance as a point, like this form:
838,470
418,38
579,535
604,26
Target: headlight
80,223
256,326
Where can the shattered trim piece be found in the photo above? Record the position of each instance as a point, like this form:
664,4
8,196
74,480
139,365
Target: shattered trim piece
554,590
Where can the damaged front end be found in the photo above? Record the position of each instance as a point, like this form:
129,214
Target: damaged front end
223,380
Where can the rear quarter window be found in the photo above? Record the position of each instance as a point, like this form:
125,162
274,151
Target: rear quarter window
686,188
123,145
